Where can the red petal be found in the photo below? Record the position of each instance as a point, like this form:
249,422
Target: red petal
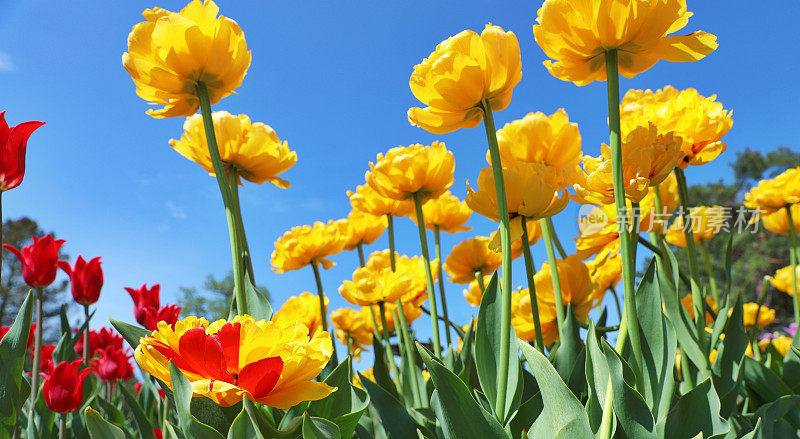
259,378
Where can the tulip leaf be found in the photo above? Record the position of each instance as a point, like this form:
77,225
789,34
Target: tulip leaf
569,360
487,353
790,374
143,424
393,414
182,392
257,304
563,416
13,348
632,412
763,381
113,414
727,371
319,428
696,412
65,349
597,377
344,406
380,368
263,425
131,333
778,410
242,427
99,428
467,353
460,415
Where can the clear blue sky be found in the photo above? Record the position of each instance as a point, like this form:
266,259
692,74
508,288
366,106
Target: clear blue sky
332,79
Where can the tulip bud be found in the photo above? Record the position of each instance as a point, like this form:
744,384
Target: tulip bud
86,278
39,260
13,142
144,298
168,314
63,388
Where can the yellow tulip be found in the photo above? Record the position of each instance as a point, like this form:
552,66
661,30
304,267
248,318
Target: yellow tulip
531,191
367,200
537,138
473,293
463,71
303,245
469,257
446,212
576,35
775,194
782,280
361,228
372,285
534,235
301,309
765,316
414,169
706,223
412,268
648,158
253,149
351,329
605,270
781,343
688,304
228,360
522,318
778,222
699,121
171,52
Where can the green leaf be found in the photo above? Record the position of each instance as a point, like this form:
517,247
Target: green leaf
99,428
763,381
65,349
131,333
143,424
783,407
597,377
695,412
257,304
790,374
113,414
319,428
380,369
467,353
242,427
487,353
13,350
727,368
393,414
632,412
563,416
569,360
182,391
344,406
460,415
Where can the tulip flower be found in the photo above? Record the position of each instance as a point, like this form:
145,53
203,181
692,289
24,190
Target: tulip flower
700,122
307,245
168,314
171,52
445,213
39,260
464,71
706,223
411,312
415,169
63,388
303,309
775,194
112,364
368,200
13,143
576,35
373,284
46,358
351,329
688,305
253,149
471,257
144,298
783,280
782,344
86,279
102,338
361,228
229,360
474,292
778,222
765,315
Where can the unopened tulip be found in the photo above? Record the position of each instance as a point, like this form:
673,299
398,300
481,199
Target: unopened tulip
143,298
39,260
86,279
63,388
168,314
13,143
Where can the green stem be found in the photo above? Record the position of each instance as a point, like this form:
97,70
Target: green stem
323,312
628,262
225,190
360,248
505,243
37,351
710,270
659,237
529,270
431,293
557,242
616,301
754,330
793,254
551,258
606,423
691,253
438,245
62,426
479,278
410,353
387,343
390,221
86,335
237,215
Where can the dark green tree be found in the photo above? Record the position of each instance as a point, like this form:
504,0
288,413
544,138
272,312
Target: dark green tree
213,301
13,289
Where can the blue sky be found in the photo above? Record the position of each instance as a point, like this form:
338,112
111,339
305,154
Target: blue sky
332,79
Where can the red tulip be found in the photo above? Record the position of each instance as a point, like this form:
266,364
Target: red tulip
46,363
13,142
86,279
63,388
158,434
113,364
39,260
99,339
168,314
144,298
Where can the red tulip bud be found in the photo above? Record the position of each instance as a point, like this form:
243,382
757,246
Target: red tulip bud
39,260
13,142
168,314
86,279
63,388
144,298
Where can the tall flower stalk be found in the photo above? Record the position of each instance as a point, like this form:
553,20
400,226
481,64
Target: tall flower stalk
37,350
323,312
547,233
794,254
530,270
440,275
423,239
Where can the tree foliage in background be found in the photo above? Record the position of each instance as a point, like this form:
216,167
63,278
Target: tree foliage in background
213,301
755,255
13,289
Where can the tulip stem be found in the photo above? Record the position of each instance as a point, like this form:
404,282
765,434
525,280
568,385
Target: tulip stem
86,335
710,270
390,222
423,239
37,351
225,190
237,215
411,353
529,270
551,258
793,253
754,330
631,326
557,242
697,294
438,246
657,237
505,244
360,247
479,278
387,342
62,426
323,312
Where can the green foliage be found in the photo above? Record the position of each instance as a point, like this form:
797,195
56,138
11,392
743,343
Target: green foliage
13,348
